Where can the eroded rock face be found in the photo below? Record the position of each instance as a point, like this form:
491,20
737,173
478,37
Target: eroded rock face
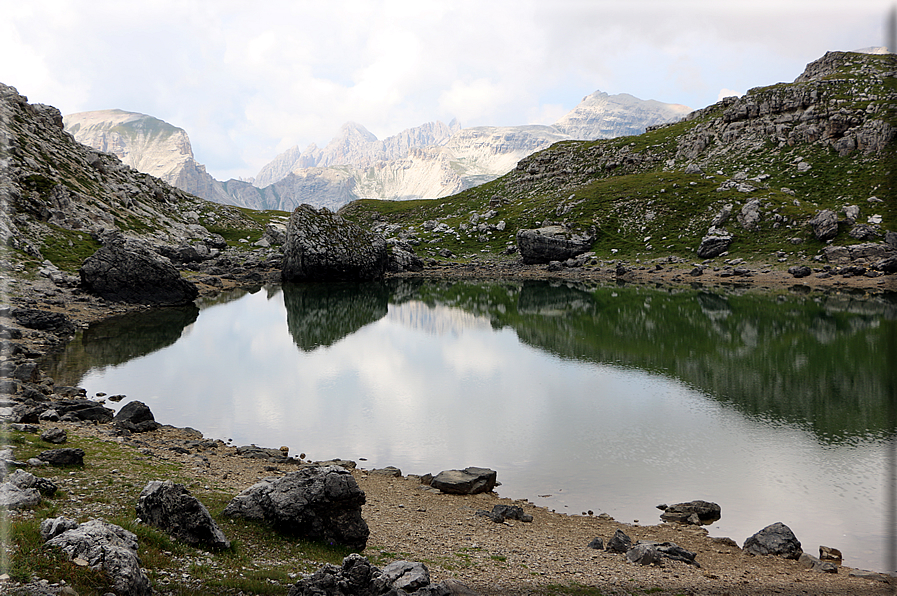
318,502
172,508
322,246
551,243
126,270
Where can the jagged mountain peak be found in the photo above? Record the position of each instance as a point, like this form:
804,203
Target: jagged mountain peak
354,130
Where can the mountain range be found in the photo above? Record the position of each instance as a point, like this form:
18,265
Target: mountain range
429,161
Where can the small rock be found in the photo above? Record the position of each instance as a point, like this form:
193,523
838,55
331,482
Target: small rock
54,435
620,543
808,561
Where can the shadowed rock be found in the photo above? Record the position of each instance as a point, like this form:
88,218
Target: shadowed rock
127,270
776,539
172,508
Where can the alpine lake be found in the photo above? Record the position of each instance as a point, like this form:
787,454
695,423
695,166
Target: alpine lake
583,397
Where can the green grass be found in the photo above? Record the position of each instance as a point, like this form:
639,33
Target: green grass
259,561
67,249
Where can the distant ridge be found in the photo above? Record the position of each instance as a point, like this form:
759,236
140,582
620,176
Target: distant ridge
428,161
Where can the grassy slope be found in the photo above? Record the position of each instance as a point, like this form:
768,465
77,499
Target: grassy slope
656,211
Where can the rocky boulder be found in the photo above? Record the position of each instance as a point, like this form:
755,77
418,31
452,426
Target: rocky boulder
101,546
776,539
357,577
825,225
318,503
172,508
619,543
552,243
501,513
66,456
713,245
25,480
136,417
693,512
322,246
468,481
13,498
127,270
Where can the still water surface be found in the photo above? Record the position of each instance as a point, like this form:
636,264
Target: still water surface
610,399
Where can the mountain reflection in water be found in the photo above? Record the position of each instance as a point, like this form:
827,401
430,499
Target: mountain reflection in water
610,398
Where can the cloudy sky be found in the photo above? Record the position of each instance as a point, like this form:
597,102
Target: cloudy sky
249,80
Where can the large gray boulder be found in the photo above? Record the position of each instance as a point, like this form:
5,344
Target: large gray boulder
322,246
713,245
13,498
825,225
552,243
468,481
776,539
127,270
318,503
171,507
103,546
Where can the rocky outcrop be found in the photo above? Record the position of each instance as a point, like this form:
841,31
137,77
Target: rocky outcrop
102,546
322,246
126,270
552,243
171,507
318,503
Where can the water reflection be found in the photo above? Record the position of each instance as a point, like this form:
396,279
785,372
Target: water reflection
321,314
607,398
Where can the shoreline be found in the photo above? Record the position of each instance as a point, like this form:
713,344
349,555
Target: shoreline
407,520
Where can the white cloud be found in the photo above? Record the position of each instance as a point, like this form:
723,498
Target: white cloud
727,93
248,80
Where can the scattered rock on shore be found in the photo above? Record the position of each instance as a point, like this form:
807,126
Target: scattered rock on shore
776,539
469,481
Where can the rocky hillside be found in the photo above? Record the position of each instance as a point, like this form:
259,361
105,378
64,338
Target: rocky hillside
58,196
754,170
431,160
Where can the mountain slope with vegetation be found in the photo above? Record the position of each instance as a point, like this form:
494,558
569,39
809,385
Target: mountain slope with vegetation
758,168
57,196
